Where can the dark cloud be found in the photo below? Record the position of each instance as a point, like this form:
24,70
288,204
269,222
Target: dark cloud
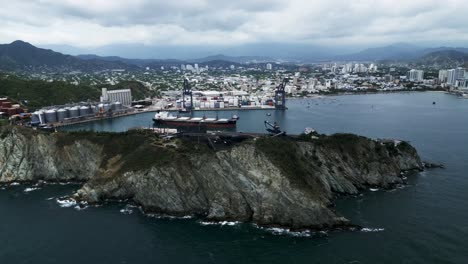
221,22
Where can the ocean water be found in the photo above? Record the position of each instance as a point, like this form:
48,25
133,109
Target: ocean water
424,222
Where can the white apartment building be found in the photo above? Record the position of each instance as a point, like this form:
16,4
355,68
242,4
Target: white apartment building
416,75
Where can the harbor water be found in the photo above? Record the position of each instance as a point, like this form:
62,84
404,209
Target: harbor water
424,222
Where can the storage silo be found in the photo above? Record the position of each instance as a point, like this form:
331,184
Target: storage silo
62,114
51,116
42,117
84,111
35,117
74,112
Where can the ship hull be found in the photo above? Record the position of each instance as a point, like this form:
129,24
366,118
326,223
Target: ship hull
227,124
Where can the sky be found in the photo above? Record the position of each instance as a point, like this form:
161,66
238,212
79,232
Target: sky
90,25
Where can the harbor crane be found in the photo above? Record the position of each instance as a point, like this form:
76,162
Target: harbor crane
280,95
186,93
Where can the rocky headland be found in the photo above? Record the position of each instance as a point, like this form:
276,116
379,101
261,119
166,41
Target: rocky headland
288,182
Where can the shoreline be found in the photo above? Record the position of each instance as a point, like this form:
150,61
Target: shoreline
318,96
314,96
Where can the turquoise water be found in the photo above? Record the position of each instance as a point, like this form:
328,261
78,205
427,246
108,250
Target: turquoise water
425,222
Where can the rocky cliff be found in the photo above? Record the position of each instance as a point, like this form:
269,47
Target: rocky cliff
269,181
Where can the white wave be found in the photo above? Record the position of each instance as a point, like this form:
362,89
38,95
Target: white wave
287,231
163,216
366,229
374,189
50,198
66,202
30,189
126,210
80,207
221,223
14,184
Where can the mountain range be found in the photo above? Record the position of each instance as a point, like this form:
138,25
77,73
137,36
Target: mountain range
399,51
20,55
444,58
23,56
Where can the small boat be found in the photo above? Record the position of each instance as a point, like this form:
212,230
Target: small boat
165,118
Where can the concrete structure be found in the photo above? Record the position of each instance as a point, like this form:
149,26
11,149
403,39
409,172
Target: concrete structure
123,96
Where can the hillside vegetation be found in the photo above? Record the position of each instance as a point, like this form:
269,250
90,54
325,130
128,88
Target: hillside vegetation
37,93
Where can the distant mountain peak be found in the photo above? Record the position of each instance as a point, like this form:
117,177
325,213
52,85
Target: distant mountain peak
20,43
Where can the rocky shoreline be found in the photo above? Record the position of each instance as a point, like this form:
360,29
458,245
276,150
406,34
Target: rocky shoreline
273,182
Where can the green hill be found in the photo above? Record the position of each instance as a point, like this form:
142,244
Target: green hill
37,93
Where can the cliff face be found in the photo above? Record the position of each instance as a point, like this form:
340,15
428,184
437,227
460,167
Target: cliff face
269,181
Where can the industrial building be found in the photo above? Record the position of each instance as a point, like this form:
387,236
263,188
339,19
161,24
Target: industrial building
7,108
123,96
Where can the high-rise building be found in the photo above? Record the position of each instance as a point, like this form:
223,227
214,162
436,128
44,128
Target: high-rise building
416,75
455,74
442,76
451,76
459,73
269,66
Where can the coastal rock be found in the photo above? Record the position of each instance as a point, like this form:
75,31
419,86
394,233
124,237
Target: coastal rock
288,182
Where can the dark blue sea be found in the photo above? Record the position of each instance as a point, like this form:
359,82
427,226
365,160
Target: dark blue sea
424,222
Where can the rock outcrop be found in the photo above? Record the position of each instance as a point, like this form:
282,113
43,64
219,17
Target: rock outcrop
270,181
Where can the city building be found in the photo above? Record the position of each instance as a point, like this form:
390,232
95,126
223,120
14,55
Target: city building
415,75
451,79
123,96
455,74
442,76
269,66
388,78
462,83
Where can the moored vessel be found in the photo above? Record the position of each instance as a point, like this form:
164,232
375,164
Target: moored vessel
165,118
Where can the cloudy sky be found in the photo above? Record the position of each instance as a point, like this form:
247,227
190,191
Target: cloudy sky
88,24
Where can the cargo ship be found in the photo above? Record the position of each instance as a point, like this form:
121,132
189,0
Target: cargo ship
165,118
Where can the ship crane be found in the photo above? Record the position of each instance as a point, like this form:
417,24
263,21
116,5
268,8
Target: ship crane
187,92
280,95
274,129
